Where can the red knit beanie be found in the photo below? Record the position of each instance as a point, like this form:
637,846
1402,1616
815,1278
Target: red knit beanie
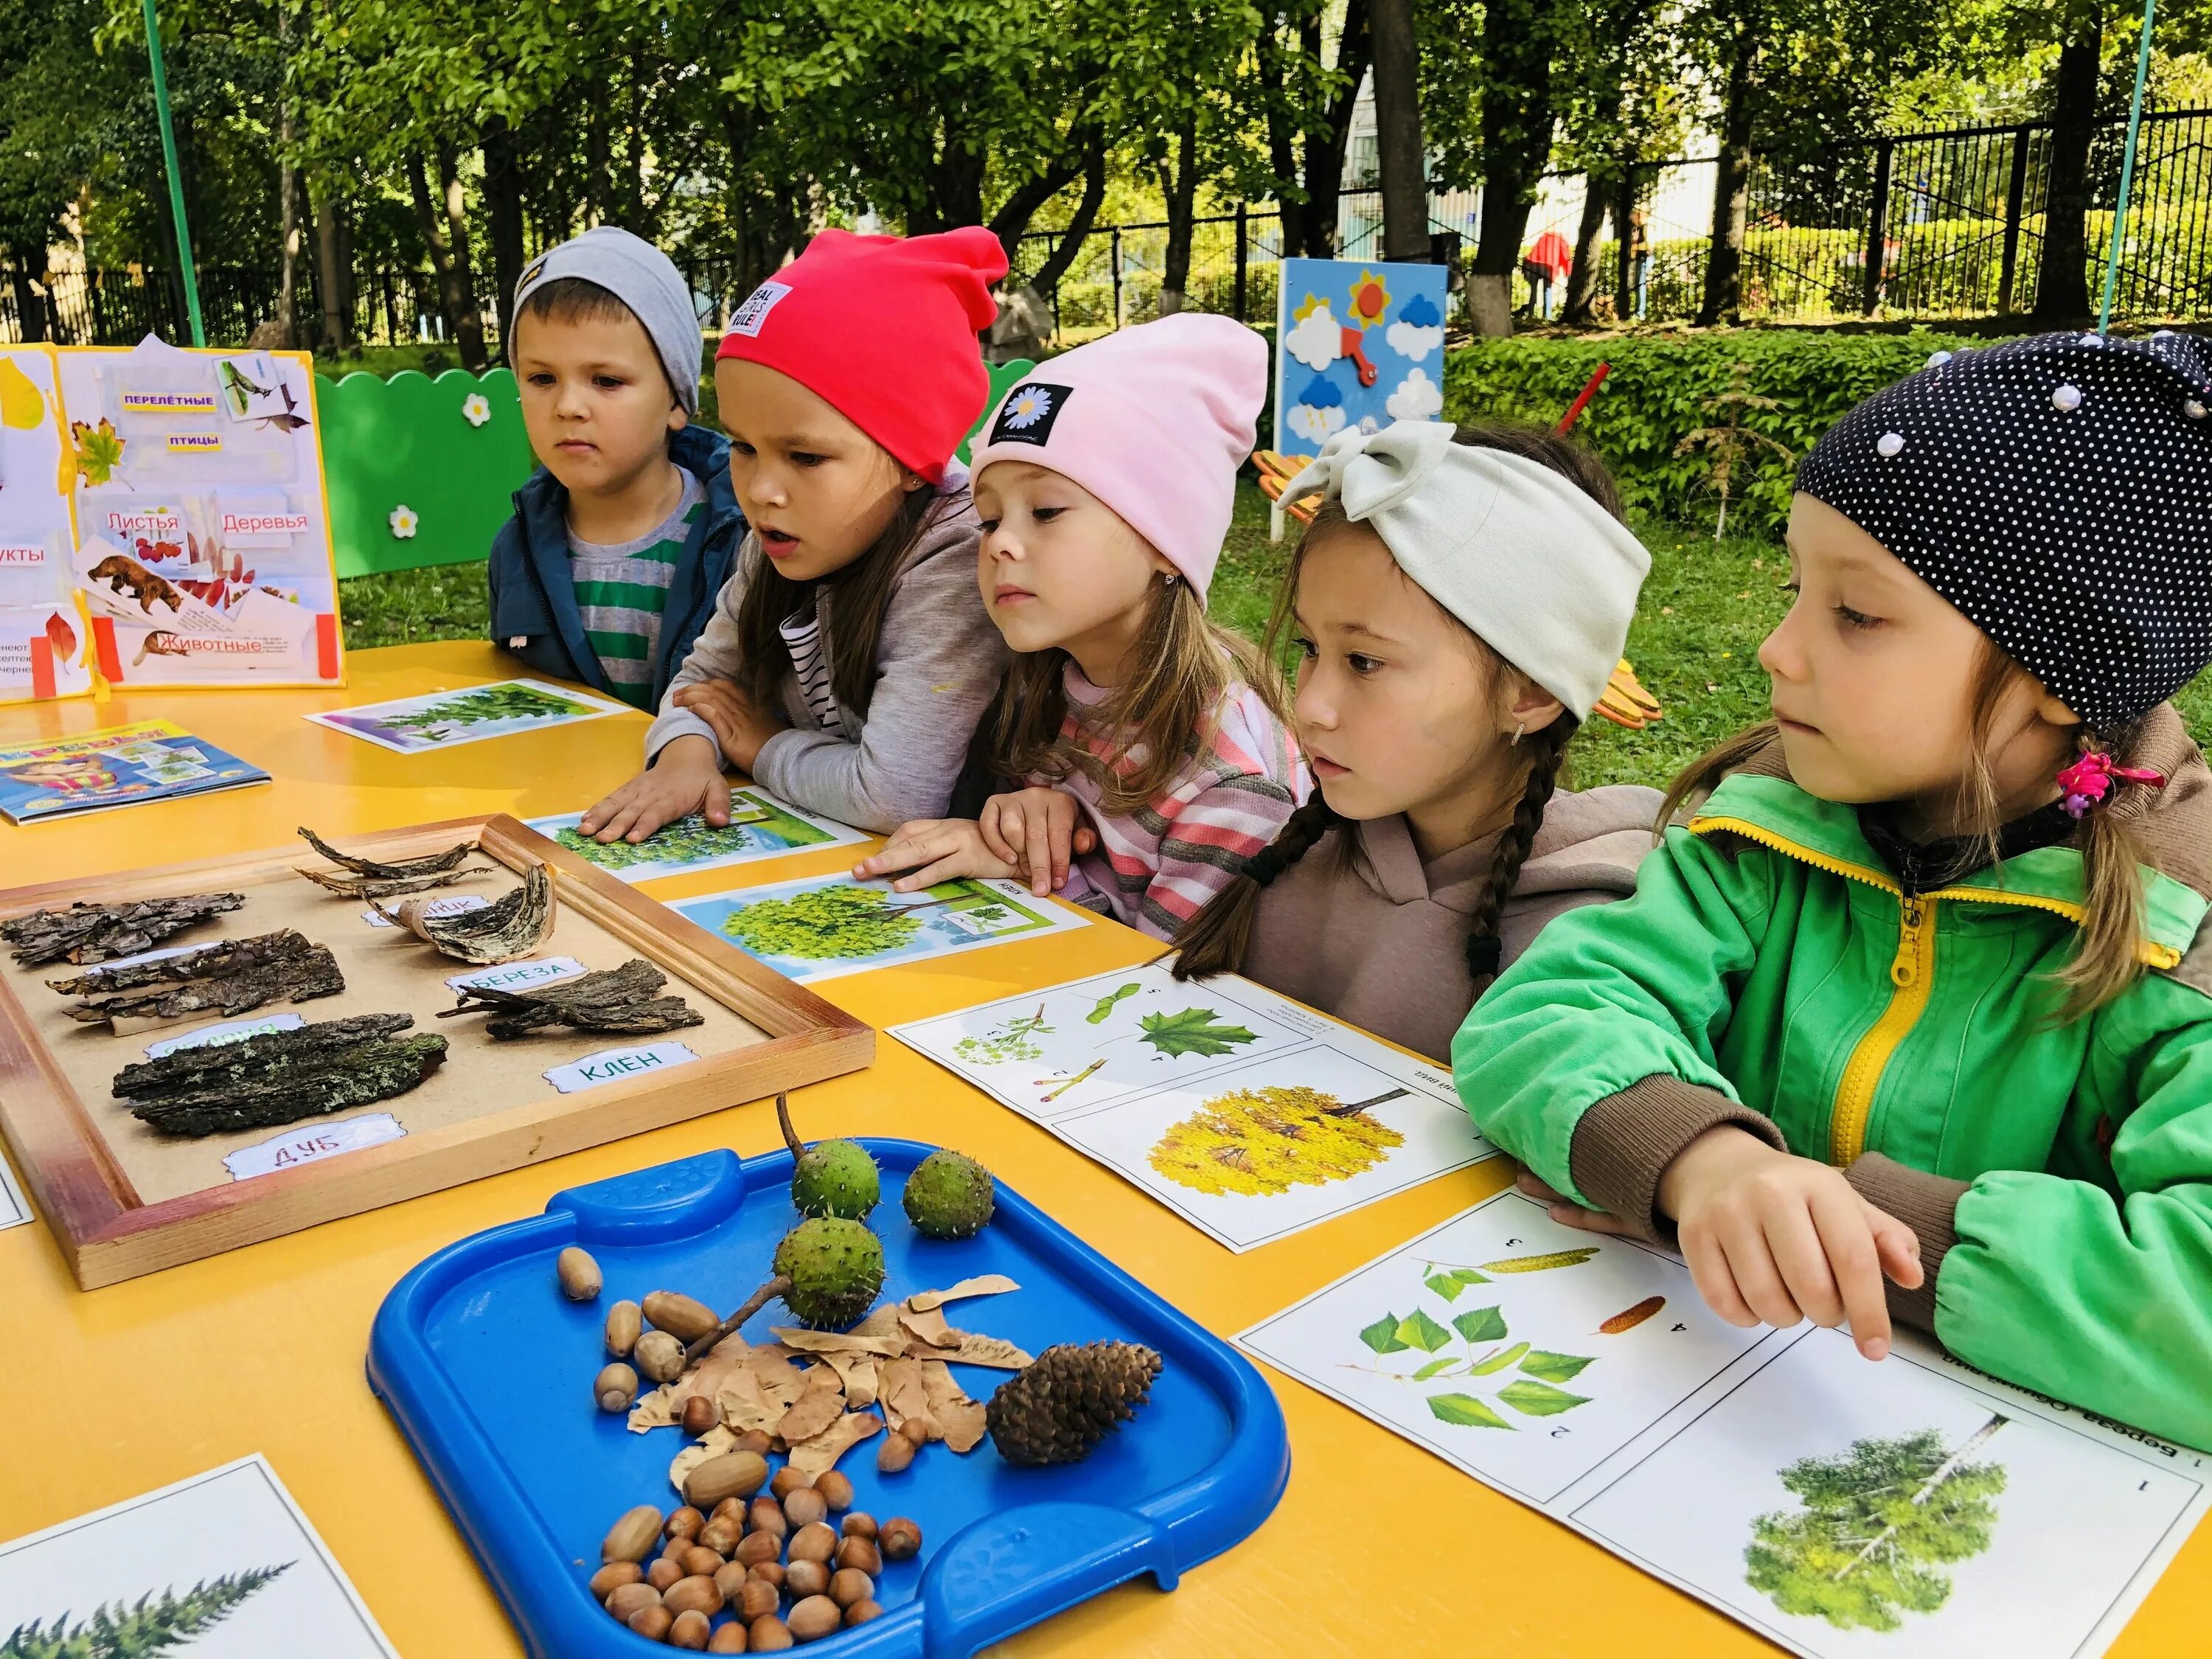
882,328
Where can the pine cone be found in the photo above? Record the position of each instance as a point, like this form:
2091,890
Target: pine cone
1070,1398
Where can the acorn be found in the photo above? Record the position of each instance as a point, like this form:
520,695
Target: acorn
615,1388
578,1274
659,1355
624,1323
631,1539
683,1317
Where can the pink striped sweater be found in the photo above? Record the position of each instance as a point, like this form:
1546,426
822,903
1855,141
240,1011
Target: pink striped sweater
1154,868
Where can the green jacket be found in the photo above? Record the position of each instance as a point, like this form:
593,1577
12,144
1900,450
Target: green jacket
1769,972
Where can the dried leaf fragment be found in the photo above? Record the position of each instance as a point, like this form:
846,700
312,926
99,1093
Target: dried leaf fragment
927,1327
962,1419
905,1396
857,1341
981,1285
995,1351
823,1404
822,1452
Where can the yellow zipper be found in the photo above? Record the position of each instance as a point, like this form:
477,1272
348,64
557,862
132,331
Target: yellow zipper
1911,971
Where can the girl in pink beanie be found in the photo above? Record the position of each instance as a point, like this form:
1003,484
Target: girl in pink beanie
1153,744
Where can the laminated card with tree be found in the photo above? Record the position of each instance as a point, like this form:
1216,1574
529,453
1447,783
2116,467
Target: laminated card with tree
1911,1508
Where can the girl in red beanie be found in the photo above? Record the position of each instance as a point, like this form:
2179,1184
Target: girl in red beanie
849,657
1105,484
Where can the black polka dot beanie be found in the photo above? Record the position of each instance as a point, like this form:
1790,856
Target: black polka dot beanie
2058,491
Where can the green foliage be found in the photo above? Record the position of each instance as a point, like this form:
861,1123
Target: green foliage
1108,1003
413,607
1448,1282
1532,1393
1191,1031
1010,1041
152,1625
1876,1526
822,924
1662,385
482,706
1479,1325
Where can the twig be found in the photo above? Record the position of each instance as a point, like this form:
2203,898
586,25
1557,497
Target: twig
759,1299
1047,1100
783,1118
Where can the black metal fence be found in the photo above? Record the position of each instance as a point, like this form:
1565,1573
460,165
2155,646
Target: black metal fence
1936,225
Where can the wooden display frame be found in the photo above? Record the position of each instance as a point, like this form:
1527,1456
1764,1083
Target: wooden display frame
107,1233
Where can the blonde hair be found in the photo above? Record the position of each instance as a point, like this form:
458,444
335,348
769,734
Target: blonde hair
2106,961
1164,714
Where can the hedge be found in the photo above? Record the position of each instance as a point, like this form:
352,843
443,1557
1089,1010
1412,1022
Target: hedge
1659,389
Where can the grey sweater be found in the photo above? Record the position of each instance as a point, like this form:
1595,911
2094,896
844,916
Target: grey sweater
1382,943
938,662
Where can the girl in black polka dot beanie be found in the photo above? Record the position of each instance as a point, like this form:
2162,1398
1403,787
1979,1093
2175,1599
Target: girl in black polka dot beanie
1908,1022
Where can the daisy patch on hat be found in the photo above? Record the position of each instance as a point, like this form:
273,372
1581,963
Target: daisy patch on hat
1028,415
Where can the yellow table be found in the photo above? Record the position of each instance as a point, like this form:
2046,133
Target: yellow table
1377,1549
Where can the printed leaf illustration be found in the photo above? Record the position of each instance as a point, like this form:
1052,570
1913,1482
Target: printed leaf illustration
1436,1367
1418,1330
1552,1367
1192,1032
1537,1264
1498,1361
99,451
1534,1398
1467,1411
1878,1526
1629,1318
1383,1335
1006,1043
1481,1325
1261,1142
152,1624
1107,1003
1448,1282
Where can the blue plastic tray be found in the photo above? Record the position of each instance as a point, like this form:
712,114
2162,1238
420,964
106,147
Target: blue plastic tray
488,1369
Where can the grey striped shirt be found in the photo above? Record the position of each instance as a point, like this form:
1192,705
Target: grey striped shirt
622,588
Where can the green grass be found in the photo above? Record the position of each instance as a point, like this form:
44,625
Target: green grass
1705,607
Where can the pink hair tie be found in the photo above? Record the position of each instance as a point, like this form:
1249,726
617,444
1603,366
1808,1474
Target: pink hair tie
2087,784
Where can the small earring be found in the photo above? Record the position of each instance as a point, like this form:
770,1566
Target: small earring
1519,728
1167,578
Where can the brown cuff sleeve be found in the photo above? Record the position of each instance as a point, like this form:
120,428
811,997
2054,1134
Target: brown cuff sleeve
1927,1204
1624,1143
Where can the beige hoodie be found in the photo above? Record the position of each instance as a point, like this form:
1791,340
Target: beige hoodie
1382,943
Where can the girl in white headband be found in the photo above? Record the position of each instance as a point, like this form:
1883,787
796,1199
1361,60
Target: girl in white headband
1459,602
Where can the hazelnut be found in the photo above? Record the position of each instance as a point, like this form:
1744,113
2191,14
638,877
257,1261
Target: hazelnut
721,1536
861,1611
788,1480
859,1553
756,1441
730,1578
894,1455
683,1522
613,1577
848,1585
758,1546
699,1414
770,1635
699,1561
731,1638
697,1592
653,1623
666,1574
766,1514
690,1630
730,1506
836,1490
756,1598
804,1578
916,1429
768,1573
815,1618
628,1598
804,1507
859,1524
813,1543
900,1538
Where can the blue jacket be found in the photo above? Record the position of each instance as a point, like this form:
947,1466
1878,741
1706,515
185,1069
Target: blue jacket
533,599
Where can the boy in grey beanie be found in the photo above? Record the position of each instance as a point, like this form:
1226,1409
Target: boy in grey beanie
623,536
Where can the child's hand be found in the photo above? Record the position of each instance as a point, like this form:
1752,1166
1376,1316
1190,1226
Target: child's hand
1773,1238
687,778
1035,829
740,728
935,849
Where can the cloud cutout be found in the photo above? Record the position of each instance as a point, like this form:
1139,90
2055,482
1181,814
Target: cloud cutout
1412,341
1417,398
1323,393
1316,341
1314,425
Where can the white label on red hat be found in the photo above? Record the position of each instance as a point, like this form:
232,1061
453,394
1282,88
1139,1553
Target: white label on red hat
747,318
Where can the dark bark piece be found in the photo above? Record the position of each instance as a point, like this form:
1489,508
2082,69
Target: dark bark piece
360,877
350,884
311,971
508,927
271,1054
621,1000
219,960
363,1072
95,932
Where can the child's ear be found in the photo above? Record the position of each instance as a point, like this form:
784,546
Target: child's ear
677,420
2051,709
1532,709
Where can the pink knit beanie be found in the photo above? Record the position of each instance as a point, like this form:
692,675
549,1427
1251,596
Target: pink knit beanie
1154,420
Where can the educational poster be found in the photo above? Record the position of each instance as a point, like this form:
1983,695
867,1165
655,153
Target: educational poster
42,643
1913,1508
468,714
760,827
826,926
204,547
1247,1115
224,1564
1357,346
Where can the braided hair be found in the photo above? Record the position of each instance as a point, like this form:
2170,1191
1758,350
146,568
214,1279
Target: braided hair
1214,940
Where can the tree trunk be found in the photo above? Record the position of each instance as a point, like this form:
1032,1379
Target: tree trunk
1516,143
503,206
1723,299
1397,130
445,228
1582,280
2061,291
1011,222
24,264
1046,280
1325,148
287,192
1973,1443
1179,186
330,277
1282,134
